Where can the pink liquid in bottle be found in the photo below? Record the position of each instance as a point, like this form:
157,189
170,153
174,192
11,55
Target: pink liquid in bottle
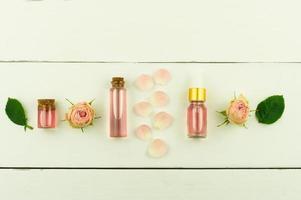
197,119
197,113
46,113
118,108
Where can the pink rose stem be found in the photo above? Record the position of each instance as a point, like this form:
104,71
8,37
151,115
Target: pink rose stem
118,111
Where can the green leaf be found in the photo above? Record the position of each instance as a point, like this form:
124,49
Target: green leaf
224,113
270,110
16,113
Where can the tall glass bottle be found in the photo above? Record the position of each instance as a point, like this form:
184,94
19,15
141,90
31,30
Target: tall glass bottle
118,108
197,113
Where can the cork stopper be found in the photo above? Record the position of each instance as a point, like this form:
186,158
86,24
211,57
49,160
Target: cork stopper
48,104
118,82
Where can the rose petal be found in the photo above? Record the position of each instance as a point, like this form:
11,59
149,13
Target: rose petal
162,120
159,99
143,132
143,109
144,82
157,148
162,76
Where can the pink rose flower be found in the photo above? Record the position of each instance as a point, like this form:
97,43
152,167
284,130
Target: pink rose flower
80,115
238,111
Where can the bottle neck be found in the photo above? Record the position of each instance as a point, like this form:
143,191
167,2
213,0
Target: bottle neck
197,102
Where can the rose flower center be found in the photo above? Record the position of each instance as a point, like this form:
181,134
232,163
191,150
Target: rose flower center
82,113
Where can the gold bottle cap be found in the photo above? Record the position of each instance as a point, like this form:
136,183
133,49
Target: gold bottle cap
197,94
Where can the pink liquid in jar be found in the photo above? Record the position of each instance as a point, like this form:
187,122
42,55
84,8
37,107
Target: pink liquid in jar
197,119
46,113
118,108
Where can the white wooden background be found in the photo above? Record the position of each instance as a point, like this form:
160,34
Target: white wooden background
248,34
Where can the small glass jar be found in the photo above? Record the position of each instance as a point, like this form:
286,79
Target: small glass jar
46,113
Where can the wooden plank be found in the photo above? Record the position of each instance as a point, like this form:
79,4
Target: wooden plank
257,146
141,184
135,30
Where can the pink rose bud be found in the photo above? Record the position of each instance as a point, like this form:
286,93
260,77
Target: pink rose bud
80,115
237,112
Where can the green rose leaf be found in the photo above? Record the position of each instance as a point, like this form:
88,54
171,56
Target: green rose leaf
270,110
16,113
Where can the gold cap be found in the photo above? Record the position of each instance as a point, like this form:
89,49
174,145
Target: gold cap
197,94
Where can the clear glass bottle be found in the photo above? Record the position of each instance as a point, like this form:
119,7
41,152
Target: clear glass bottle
118,108
46,113
197,113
